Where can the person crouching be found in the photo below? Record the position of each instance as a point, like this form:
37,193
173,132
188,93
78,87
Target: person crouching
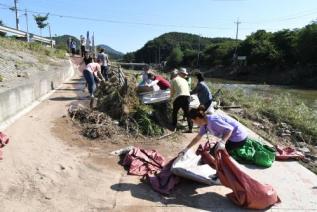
233,137
92,71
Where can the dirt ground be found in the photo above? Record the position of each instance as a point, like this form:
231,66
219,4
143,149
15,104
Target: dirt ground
49,166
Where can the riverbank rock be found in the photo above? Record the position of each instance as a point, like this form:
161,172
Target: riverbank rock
301,144
303,150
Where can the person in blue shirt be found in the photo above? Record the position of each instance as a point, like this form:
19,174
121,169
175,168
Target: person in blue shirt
202,90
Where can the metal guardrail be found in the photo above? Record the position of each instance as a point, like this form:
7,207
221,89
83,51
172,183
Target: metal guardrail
24,34
13,31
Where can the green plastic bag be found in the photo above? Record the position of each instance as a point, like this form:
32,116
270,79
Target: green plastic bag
255,153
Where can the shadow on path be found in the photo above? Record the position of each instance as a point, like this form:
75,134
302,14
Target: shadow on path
69,89
64,98
185,194
74,83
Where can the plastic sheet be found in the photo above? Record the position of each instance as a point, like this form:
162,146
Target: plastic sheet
189,166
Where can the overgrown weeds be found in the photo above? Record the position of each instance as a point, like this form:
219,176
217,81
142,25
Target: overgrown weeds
278,108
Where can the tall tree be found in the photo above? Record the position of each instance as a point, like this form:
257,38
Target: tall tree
175,58
307,44
259,48
285,42
41,21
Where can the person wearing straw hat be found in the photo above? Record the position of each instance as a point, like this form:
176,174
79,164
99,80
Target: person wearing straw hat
184,74
180,93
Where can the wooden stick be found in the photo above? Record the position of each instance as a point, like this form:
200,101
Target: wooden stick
167,135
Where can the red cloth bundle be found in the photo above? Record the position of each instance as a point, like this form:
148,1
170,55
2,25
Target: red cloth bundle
246,191
4,140
286,153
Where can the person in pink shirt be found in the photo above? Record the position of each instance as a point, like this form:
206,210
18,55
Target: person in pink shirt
92,71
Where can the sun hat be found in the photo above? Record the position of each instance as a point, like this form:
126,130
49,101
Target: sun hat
183,71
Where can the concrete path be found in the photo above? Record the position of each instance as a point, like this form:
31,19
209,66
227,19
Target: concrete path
49,167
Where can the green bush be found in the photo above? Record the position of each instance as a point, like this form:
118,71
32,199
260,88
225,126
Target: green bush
146,124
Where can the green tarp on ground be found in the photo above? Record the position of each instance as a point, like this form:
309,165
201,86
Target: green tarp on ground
254,152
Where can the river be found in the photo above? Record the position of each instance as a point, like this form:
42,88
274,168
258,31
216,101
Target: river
309,97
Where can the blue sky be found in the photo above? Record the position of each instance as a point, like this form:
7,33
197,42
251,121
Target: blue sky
127,25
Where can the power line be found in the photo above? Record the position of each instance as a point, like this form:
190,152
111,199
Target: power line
286,18
5,6
121,22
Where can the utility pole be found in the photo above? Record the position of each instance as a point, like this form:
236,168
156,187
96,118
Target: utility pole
27,26
159,54
49,30
198,55
237,33
16,14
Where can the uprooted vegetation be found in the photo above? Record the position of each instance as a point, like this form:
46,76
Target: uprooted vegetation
120,112
94,124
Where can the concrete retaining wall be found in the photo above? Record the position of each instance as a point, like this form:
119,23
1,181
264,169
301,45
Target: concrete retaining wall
19,97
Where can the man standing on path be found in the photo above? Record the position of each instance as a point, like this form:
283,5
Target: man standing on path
102,56
181,94
73,46
82,45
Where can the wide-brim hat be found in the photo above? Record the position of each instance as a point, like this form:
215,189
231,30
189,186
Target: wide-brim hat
183,71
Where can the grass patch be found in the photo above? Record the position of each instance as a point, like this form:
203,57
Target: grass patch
36,48
278,108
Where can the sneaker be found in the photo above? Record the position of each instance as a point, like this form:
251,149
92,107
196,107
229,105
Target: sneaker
215,180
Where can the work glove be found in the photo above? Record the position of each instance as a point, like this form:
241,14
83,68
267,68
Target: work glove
183,152
220,145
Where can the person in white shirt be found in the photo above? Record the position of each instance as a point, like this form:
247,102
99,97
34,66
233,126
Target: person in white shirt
145,80
105,62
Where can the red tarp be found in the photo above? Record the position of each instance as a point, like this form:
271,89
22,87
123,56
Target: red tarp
142,162
286,153
151,164
246,191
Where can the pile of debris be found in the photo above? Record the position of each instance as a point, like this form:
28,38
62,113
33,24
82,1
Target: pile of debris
115,100
118,112
94,124
123,104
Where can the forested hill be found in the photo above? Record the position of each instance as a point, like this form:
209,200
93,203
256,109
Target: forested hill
287,56
188,44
